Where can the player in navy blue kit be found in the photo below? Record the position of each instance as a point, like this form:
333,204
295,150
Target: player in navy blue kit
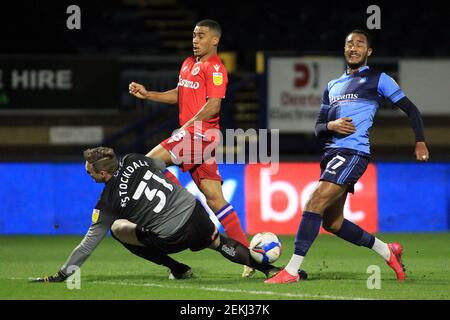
348,108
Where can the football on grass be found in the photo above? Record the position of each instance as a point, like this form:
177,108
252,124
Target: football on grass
265,247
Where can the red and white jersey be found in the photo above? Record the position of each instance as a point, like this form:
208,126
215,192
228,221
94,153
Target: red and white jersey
199,81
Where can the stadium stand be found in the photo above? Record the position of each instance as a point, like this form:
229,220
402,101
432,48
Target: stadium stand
145,37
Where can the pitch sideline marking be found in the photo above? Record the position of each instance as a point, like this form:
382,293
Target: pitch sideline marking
203,288
283,294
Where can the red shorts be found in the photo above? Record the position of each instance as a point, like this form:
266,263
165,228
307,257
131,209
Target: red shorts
194,152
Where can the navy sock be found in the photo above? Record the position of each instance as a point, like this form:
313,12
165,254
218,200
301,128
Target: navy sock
307,232
354,234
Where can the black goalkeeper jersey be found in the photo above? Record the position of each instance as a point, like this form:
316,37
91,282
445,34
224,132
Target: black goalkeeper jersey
139,192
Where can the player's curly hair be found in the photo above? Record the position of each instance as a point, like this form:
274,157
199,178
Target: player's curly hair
363,32
102,159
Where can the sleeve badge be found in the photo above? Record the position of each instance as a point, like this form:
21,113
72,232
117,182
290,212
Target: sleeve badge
95,215
217,78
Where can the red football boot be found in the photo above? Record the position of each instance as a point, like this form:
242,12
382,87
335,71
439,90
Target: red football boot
395,261
283,277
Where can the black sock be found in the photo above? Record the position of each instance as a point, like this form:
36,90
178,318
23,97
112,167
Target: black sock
237,253
154,255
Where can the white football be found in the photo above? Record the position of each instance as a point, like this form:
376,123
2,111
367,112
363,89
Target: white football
265,247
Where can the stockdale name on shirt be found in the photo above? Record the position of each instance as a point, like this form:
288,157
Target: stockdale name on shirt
125,178
348,96
188,83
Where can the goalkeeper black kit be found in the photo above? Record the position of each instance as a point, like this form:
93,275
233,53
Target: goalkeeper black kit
140,193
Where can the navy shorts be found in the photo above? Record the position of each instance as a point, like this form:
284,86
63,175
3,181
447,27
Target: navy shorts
343,167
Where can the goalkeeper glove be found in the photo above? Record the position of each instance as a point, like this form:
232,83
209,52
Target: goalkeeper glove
60,276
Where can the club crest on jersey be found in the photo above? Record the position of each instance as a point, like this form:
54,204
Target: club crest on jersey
363,80
95,215
217,78
195,71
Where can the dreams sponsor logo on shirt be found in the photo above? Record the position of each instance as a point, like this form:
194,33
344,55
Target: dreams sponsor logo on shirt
188,84
348,96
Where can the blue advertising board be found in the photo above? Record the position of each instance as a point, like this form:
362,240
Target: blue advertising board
58,198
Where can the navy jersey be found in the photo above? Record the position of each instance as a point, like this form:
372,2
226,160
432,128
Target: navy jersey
357,96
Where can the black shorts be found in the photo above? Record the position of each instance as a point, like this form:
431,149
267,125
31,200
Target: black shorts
343,167
196,234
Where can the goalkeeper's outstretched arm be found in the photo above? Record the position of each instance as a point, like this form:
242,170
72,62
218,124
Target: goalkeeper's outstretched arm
79,255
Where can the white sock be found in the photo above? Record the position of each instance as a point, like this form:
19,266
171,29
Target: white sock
382,249
294,264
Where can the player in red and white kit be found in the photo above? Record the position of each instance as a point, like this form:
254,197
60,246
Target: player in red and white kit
201,87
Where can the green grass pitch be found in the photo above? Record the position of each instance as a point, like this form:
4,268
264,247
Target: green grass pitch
337,270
